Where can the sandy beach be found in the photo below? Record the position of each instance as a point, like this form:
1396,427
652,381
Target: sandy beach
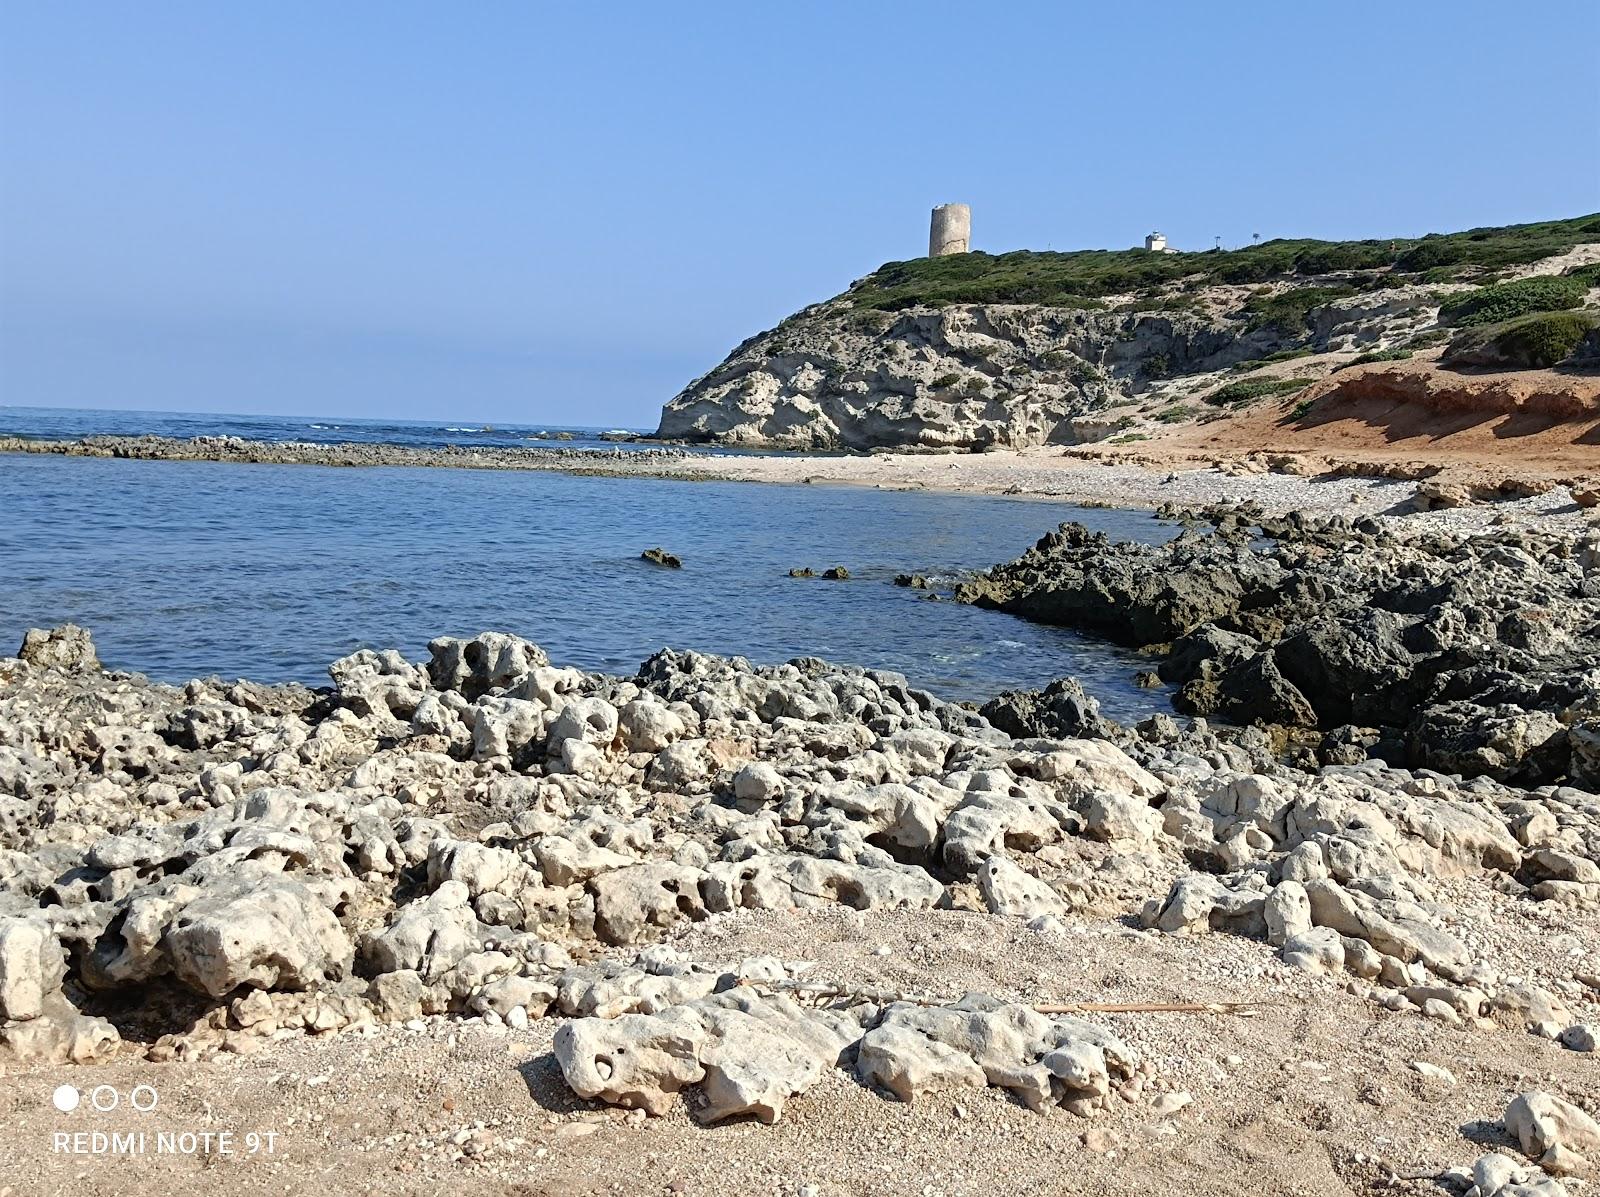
1147,475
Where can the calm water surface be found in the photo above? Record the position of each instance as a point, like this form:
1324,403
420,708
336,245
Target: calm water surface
185,569
67,423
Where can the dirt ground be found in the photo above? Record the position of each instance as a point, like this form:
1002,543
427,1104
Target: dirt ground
1533,423
1314,1094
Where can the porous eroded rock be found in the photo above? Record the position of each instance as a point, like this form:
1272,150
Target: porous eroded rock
488,835
66,647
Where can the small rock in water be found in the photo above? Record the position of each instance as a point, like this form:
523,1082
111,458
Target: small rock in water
660,556
836,573
804,571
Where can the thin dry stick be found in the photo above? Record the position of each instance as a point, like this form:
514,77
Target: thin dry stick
1151,1008
829,992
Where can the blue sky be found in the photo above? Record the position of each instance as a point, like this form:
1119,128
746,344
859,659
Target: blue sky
562,213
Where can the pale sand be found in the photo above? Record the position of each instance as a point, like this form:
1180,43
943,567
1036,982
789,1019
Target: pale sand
1082,475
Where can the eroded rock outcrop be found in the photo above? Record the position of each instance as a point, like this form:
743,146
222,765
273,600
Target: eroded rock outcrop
488,835
1471,654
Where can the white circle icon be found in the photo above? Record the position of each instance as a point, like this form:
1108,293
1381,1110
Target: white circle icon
104,1098
65,1098
146,1104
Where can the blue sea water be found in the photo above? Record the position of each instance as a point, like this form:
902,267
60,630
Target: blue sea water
44,423
185,569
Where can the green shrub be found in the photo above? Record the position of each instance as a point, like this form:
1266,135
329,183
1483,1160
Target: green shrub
1246,390
1511,245
1343,255
869,320
1534,341
1078,279
1378,355
1163,303
1156,366
1289,311
1302,409
1588,275
1504,301
1176,414
945,381
1283,355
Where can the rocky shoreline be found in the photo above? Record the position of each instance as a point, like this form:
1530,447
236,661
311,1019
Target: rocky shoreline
485,839
346,453
1473,654
1427,494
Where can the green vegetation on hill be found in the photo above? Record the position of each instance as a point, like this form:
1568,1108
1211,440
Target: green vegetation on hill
1504,301
1537,341
1588,275
1377,355
1244,391
1492,248
1080,279
1289,310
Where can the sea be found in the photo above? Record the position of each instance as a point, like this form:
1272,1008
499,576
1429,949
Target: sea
199,569
43,423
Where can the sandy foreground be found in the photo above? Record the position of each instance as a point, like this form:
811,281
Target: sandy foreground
1318,1092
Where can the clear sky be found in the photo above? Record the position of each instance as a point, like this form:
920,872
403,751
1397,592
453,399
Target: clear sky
562,213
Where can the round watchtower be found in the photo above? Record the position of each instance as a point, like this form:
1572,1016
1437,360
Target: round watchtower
950,230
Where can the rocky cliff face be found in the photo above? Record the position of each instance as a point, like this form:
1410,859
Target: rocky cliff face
1016,375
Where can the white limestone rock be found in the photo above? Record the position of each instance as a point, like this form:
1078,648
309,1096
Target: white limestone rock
60,1034
1541,1123
427,936
269,933
31,967
67,648
648,725
489,662
1044,1061
1012,893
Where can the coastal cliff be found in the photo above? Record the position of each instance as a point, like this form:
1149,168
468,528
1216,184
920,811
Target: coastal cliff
1018,350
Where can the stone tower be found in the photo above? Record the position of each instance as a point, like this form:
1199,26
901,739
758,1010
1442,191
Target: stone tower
949,230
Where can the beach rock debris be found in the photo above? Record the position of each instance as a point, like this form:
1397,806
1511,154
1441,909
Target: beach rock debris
485,834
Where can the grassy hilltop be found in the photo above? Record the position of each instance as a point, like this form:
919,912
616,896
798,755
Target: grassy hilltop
1084,278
